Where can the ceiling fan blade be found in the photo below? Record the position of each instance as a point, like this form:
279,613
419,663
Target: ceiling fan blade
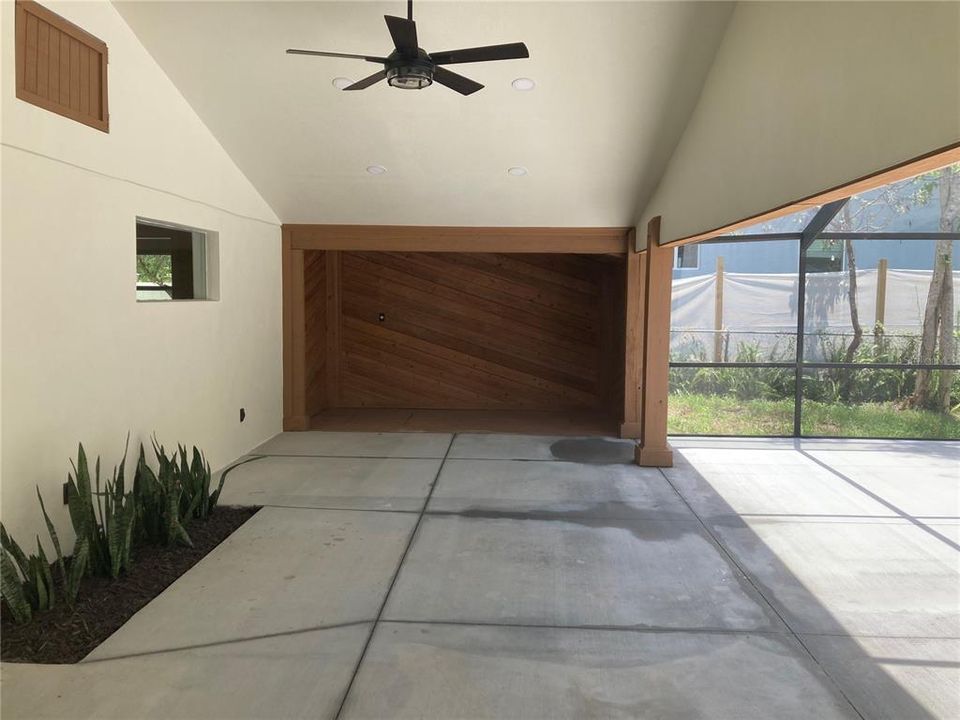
368,81
463,85
510,51
404,34
368,58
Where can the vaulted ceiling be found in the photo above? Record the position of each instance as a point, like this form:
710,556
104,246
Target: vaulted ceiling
615,85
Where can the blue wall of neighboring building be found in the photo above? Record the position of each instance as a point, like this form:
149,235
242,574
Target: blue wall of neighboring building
892,208
780,256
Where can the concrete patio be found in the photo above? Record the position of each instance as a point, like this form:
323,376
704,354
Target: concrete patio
417,575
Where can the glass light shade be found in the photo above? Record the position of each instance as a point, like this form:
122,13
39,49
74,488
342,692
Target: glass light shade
410,77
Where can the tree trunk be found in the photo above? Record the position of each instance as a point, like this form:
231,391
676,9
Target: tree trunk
847,374
938,321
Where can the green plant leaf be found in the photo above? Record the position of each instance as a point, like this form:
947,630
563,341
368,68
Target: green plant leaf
54,538
78,568
11,546
12,589
47,575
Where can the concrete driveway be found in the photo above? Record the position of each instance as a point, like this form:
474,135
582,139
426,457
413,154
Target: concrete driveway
493,576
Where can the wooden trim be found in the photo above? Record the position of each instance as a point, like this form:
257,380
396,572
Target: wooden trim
653,449
633,349
25,8
63,25
334,289
294,339
413,238
925,163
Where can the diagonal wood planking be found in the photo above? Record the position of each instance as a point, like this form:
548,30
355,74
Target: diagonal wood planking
466,331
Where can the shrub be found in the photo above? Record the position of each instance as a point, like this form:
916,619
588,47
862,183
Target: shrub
35,591
107,523
108,528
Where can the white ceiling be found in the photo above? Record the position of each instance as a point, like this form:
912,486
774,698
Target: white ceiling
616,82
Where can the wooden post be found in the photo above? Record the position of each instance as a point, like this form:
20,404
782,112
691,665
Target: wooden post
334,319
718,313
633,334
294,338
653,450
881,291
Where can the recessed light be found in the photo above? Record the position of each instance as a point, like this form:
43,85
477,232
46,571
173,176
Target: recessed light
341,83
517,171
523,84
376,169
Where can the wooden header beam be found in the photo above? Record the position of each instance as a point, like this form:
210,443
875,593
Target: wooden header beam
413,238
917,166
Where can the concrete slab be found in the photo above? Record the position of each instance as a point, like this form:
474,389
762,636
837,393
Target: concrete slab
572,570
444,671
285,570
624,491
787,488
852,577
918,485
357,444
591,450
303,675
893,678
352,483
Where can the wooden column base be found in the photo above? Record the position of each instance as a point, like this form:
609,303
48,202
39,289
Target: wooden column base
630,430
654,456
296,422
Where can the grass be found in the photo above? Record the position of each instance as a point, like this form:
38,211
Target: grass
719,415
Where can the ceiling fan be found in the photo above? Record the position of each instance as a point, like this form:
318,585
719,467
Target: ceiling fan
409,67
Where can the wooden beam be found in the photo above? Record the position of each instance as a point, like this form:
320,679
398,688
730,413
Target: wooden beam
881,304
925,163
653,450
411,238
633,349
294,339
334,327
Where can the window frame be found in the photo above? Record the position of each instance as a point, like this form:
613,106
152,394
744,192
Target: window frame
204,281
686,248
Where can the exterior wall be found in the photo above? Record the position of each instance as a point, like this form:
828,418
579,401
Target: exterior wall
82,360
806,96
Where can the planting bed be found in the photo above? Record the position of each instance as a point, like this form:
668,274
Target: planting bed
67,635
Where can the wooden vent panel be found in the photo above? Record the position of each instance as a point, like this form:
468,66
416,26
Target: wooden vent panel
60,67
472,331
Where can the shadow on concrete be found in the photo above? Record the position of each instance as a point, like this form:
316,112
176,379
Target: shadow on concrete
872,678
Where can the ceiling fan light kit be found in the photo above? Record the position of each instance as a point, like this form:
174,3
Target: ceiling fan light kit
409,67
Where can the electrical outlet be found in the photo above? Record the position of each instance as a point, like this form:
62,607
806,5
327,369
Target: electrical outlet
243,414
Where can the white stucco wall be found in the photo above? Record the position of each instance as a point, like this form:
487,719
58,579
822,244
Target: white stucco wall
806,96
82,360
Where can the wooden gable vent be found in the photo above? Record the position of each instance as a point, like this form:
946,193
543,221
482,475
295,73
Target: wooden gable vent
60,67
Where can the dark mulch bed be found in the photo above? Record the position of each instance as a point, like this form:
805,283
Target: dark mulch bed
66,635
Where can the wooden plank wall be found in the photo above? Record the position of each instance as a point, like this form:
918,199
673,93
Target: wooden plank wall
472,331
315,328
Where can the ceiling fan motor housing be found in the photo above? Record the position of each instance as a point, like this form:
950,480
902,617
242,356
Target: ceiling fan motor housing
409,73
